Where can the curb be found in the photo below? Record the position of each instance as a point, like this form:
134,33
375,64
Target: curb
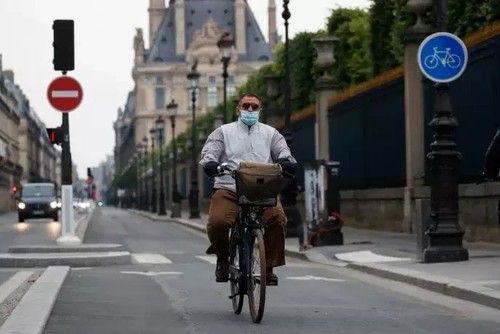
35,260
33,310
89,248
82,224
453,288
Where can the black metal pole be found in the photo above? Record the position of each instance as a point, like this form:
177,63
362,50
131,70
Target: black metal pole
445,234
225,63
161,209
287,130
153,176
146,180
138,177
194,210
175,193
66,165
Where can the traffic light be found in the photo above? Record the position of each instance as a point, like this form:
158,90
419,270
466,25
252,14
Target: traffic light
89,172
14,189
55,135
64,45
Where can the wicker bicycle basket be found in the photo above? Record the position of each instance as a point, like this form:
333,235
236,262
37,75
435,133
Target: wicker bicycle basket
259,181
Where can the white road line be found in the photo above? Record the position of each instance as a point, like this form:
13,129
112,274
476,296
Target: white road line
64,93
147,258
13,283
210,259
367,257
33,310
152,273
315,278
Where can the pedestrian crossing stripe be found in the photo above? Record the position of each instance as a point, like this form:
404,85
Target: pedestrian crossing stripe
209,259
147,258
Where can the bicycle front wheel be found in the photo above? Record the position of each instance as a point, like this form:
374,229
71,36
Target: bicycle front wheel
257,277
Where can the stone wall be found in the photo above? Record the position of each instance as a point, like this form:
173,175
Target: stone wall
382,209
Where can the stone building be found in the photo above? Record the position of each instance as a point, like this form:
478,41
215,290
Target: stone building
181,34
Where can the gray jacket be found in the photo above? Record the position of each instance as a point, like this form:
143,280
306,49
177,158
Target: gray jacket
236,142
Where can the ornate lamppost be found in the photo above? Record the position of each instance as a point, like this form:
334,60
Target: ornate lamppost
160,130
194,209
152,133
445,234
225,45
138,175
287,131
176,199
147,198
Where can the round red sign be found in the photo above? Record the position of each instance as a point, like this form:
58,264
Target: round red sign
65,93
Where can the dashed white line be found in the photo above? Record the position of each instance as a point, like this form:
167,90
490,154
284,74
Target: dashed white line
147,258
209,259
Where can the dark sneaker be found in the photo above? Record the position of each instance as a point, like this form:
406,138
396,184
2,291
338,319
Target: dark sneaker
271,279
222,271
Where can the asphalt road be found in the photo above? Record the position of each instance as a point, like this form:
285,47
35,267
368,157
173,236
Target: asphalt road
30,232
176,292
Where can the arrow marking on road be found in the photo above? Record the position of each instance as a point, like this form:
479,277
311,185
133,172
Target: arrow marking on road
152,273
316,278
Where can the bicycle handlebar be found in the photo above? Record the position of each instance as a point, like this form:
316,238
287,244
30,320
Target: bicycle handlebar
223,168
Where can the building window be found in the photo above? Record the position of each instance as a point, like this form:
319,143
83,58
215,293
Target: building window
230,91
159,80
212,96
230,78
160,97
211,79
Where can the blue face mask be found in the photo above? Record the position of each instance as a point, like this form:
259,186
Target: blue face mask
249,117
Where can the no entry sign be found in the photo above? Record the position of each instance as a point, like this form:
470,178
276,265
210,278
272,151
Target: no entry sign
65,93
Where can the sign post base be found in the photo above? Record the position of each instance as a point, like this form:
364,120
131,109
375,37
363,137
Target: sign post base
68,236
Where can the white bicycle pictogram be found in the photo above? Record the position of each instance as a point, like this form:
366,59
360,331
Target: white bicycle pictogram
444,57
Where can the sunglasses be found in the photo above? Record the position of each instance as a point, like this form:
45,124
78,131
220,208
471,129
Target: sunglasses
247,106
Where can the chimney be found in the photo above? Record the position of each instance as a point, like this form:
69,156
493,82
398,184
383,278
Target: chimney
240,18
9,74
156,12
272,33
180,38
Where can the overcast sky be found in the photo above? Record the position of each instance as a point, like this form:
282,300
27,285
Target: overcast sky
104,31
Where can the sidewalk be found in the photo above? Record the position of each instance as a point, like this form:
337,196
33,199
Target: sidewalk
393,256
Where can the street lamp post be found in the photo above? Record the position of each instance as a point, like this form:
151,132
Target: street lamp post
445,234
138,175
194,208
287,131
152,132
176,200
146,181
160,129
225,45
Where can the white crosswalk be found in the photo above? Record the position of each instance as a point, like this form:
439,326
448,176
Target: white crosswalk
154,258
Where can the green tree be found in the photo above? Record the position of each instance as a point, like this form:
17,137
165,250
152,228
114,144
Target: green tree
353,55
381,25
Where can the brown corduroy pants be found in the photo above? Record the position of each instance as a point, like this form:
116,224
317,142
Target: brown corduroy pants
223,214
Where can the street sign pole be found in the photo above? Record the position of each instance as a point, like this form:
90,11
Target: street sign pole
65,94
442,58
68,236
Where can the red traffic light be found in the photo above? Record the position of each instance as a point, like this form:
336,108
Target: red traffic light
55,135
14,189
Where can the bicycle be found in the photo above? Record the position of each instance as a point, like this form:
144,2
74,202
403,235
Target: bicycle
447,58
246,236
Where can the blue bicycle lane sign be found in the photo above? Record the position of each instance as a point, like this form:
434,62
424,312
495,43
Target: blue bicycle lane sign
442,57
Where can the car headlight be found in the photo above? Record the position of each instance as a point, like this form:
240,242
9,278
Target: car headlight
21,206
59,204
53,205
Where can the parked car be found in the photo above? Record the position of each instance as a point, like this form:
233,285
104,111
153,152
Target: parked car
38,200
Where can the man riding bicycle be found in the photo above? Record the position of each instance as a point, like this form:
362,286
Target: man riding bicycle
244,140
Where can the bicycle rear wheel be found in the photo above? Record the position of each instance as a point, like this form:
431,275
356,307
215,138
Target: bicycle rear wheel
257,278
235,278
